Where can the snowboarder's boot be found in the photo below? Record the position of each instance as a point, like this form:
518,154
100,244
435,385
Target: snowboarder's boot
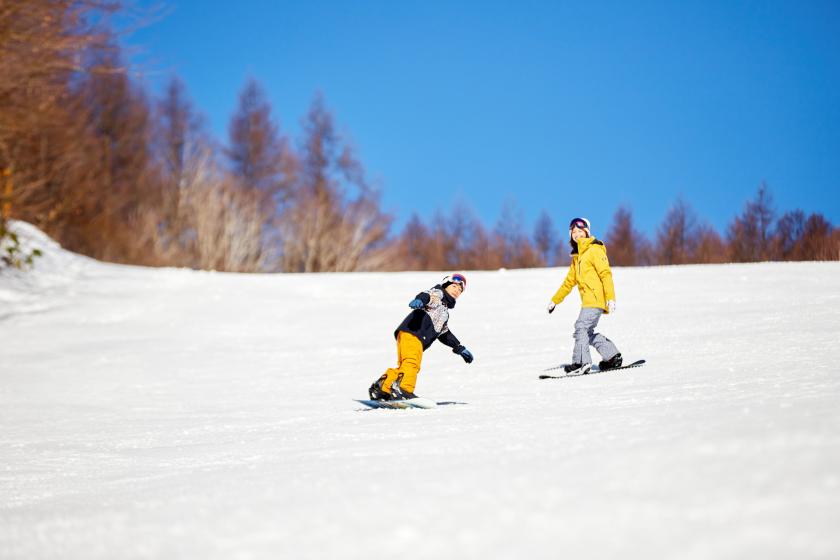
577,369
377,393
612,363
401,394
397,393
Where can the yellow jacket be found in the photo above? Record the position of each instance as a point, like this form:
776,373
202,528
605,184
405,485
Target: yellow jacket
590,270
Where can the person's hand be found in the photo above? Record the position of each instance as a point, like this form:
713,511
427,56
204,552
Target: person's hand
416,304
611,306
551,306
464,353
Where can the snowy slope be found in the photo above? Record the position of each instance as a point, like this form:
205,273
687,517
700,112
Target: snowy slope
179,414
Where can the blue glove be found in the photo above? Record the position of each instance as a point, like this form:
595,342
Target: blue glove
416,304
464,353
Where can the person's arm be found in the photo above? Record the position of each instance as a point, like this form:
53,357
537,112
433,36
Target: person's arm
451,340
420,301
566,287
446,337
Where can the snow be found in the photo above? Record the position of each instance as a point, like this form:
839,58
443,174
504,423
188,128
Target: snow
166,413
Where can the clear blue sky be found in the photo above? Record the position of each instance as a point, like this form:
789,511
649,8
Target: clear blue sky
573,107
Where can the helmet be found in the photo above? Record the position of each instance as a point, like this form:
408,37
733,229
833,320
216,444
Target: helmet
580,223
455,278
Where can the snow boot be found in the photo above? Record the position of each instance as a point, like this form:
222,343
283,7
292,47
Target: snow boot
405,395
377,393
577,369
398,393
612,363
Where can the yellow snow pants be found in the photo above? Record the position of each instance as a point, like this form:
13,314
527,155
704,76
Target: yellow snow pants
409,356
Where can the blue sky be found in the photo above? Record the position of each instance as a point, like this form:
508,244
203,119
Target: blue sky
575,108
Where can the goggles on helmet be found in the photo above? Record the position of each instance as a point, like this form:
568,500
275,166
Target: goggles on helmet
580,223
457,279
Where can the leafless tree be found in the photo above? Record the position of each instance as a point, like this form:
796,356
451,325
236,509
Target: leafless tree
41,48
749,235
545,239
228,225
709,247
260,155
182,147
789,232
818,241
624,243
676,239
333,220
412,246
514,247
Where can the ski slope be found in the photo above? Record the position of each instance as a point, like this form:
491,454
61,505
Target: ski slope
164,413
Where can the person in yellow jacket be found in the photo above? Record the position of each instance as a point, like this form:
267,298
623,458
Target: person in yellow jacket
428,321
590,271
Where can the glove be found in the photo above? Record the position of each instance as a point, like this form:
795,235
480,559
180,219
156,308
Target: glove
416,304
611,306
551,306
464,353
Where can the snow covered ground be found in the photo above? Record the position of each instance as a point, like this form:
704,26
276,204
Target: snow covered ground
177,414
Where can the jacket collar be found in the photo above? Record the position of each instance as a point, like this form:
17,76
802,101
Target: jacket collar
448,300
585,243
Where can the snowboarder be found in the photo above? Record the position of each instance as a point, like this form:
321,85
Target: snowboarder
590,271
426,323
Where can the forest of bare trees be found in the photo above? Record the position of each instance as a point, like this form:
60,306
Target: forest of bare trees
111,172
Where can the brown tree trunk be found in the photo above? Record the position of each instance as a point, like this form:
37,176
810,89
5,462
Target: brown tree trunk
8,192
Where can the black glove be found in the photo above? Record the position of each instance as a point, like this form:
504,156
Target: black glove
464,353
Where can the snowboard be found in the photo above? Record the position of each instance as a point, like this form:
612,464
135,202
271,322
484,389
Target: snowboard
637,363
418,402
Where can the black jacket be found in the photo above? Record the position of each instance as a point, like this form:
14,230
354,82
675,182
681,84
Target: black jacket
431,322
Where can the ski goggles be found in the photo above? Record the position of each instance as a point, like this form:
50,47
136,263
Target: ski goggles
459,279
580,223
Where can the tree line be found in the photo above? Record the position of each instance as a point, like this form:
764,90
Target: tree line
117,174
111,172
758,233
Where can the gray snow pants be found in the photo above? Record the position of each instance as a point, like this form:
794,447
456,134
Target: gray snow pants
585,336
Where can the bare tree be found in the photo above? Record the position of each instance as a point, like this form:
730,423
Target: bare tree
333,221
181,146
545,239
413,246
834,245
461,231
41,46
360,236
750,234
228,228
515,248
623,241
789,231
260,156
180,131
818,242
710,247
676,239
120,122
440,247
